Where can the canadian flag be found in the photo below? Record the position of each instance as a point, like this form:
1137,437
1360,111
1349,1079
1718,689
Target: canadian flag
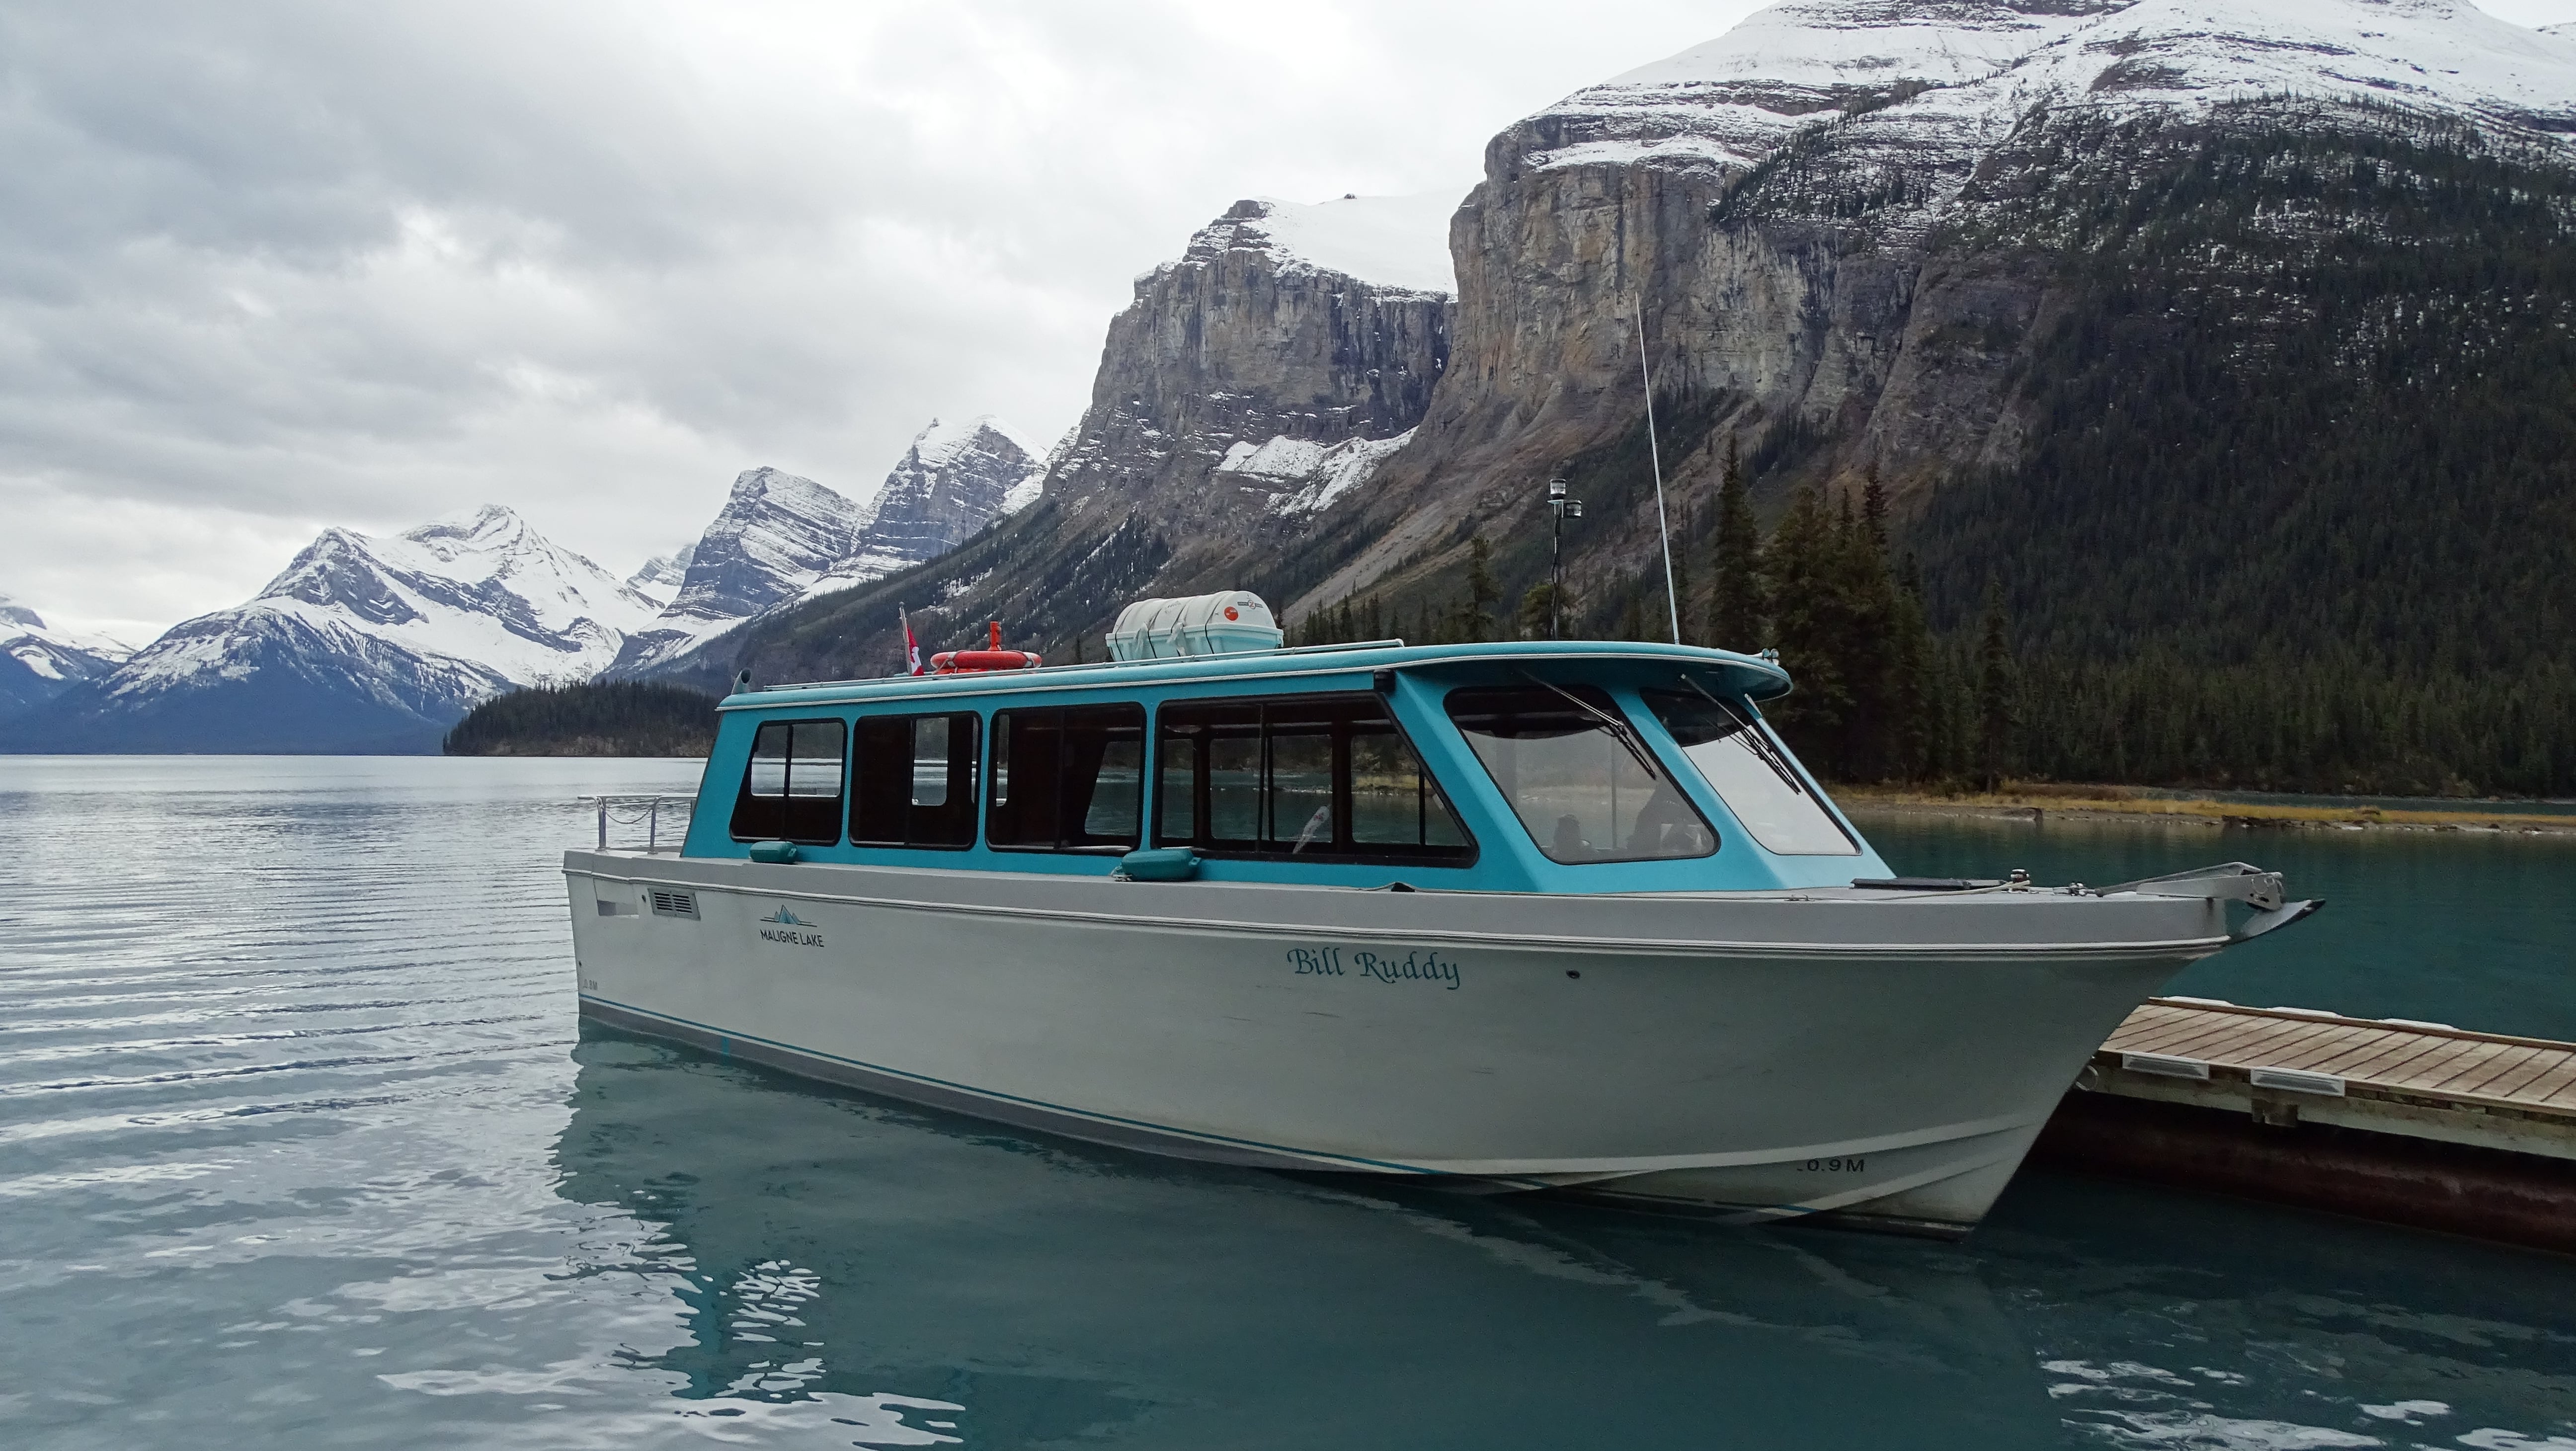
911,646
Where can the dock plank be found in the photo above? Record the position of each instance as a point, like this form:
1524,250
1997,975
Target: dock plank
2520,1080
2400,1057
2407,1049
2409,1081
2482,1079
2441,1074
2316,1057
2558,1086
2231,1037
2265,1049
2152,1035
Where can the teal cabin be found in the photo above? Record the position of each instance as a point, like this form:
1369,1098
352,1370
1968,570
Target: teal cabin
1534,766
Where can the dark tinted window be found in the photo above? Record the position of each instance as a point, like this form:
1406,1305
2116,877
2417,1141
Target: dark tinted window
1578,777
912,780
1067,777
1322,778
792,789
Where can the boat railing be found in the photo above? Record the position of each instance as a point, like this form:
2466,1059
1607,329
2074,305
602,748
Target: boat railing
1109,664
646,812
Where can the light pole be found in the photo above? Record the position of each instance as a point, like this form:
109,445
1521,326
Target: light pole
1563,508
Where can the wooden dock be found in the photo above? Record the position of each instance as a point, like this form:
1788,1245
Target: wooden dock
2414,1123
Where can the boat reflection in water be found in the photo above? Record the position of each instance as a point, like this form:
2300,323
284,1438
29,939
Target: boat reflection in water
852,1266
856,1267
863,1266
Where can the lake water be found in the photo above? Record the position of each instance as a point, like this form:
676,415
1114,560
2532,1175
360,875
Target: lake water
300,1146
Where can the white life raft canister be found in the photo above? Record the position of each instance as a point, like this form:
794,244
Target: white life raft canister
1226,623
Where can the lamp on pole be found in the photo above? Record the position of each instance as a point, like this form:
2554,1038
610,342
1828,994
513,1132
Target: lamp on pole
1563,509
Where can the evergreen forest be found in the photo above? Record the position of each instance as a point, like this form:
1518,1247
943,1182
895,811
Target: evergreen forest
601,718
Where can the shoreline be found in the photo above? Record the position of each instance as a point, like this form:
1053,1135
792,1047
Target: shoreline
2072,804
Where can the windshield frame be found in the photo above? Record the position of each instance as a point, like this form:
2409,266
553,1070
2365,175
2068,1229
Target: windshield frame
1622,739
1759,741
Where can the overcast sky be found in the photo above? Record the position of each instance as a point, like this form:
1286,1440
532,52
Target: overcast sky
268,267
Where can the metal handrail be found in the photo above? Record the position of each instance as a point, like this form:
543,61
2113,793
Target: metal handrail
1098,664
647,813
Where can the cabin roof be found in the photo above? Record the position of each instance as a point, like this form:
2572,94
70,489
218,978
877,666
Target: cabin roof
1756,677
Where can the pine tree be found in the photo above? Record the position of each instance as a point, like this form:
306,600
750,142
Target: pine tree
1995,703
1483,592
1632,618
1735,604
1799,578
1538,607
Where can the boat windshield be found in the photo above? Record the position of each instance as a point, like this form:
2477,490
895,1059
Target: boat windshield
1749,771
1575,773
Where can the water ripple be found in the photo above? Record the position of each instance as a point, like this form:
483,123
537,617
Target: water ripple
300,1146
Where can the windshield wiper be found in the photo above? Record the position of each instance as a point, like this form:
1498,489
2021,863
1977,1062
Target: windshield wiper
1620,730
1756,740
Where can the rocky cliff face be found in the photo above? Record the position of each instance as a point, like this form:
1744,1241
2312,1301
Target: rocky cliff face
1260,376
775,536
1797,217
953,480
1853,236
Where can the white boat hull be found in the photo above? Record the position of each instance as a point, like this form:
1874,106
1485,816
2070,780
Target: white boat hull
1886,1061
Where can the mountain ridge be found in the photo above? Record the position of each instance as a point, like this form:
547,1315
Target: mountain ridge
359,643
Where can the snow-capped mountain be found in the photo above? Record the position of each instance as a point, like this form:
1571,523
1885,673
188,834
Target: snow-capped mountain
660,578
775,536
39,662
953,480
362,643
781,539
1246,397
1952,75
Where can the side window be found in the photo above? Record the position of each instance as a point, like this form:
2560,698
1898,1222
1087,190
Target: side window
912,780
792,789
1316,777
1067,778
1578,777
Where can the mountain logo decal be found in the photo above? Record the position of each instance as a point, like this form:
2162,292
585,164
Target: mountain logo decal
789,930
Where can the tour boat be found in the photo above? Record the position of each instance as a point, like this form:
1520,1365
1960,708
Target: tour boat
1514,916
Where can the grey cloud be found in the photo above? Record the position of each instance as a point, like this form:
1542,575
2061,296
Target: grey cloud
266,264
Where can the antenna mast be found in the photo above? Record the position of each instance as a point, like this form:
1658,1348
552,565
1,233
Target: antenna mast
1672,596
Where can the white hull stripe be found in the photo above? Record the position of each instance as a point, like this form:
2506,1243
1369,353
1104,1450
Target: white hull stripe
1646,945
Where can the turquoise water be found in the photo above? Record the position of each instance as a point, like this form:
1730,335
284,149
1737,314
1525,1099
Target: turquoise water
300,1146
2474,929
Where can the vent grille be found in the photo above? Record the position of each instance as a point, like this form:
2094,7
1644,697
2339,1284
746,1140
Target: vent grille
674,904
2164,1065
2297,1080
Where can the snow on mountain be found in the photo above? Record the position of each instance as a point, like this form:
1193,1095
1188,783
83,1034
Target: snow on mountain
775,536
952,481
1308,477
660,577
1393,241
1964,70
39,661
361,642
